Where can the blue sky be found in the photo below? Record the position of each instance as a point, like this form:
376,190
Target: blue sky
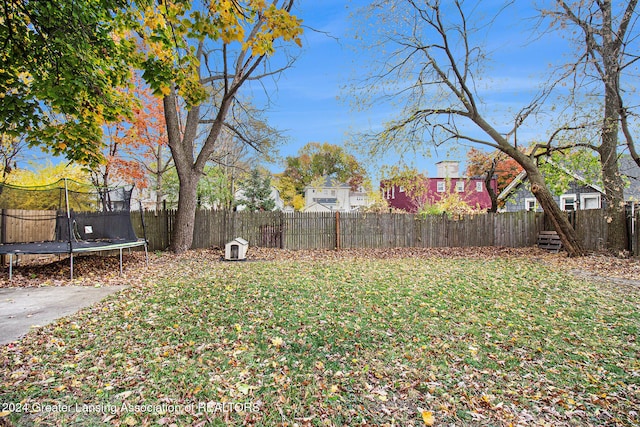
310,104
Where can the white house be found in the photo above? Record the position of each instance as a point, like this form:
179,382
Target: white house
330,195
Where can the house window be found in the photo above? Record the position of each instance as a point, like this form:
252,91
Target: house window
333,192
568,202
440,188
530,204
460,186
590,201
479,186
401,189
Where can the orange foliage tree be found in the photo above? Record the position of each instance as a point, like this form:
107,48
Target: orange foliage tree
117,168
147,143
498,164
136,148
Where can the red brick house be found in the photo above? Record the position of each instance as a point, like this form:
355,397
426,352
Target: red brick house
472,190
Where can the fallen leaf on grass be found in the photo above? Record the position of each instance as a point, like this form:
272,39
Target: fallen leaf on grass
427,417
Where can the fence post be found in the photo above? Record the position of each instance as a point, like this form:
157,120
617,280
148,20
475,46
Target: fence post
337,230
635,231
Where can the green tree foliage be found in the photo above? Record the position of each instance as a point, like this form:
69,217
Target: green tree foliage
316,160
214,189
560,169
257,193
60,66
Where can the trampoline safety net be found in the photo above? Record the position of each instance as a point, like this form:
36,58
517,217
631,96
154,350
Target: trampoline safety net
65,211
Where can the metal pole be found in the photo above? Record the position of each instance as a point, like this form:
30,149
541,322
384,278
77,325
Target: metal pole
66,199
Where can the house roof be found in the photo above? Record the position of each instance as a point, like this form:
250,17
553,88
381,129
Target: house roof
631,170
317,207
522,177
327,182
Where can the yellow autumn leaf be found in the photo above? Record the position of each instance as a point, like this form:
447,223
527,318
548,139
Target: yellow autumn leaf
165,90
427,418
4,413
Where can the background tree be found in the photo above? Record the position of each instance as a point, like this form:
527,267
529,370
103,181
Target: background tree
39,174
604,70
286,185
433,62
214,188
60,65
117,167
198,56
488,165
579,162
147,141
10,150
256,192
316,160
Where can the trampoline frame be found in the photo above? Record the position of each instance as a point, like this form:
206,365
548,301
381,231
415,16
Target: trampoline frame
42,248
72,246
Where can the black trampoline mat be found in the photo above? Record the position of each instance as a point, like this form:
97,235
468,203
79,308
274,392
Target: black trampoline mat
63,247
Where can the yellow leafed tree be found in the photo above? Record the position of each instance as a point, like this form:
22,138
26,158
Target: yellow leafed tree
196,56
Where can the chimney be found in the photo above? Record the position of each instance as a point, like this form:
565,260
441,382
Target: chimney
448,169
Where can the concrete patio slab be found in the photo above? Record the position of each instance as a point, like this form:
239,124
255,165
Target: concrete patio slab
24,308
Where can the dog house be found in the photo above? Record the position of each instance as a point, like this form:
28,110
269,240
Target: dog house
236,249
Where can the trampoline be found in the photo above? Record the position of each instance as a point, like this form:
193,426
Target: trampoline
66,217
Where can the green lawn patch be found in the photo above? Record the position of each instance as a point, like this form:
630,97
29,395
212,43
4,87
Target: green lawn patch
352,342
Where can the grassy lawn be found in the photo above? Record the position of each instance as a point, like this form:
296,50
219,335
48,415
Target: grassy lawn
464,341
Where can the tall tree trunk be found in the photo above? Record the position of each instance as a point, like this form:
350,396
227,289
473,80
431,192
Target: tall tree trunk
159,192
539,189
614,194
608,150
184,225
487,182
558,218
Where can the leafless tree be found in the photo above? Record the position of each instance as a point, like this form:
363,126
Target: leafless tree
606,37
10,150
431,52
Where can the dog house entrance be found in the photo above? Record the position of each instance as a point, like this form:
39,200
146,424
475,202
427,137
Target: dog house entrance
236,250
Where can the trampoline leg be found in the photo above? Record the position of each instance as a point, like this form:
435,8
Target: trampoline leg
146,254
121,261
10,266
71,265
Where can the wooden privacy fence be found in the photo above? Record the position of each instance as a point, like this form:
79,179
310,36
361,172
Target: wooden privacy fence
345,230
338,230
